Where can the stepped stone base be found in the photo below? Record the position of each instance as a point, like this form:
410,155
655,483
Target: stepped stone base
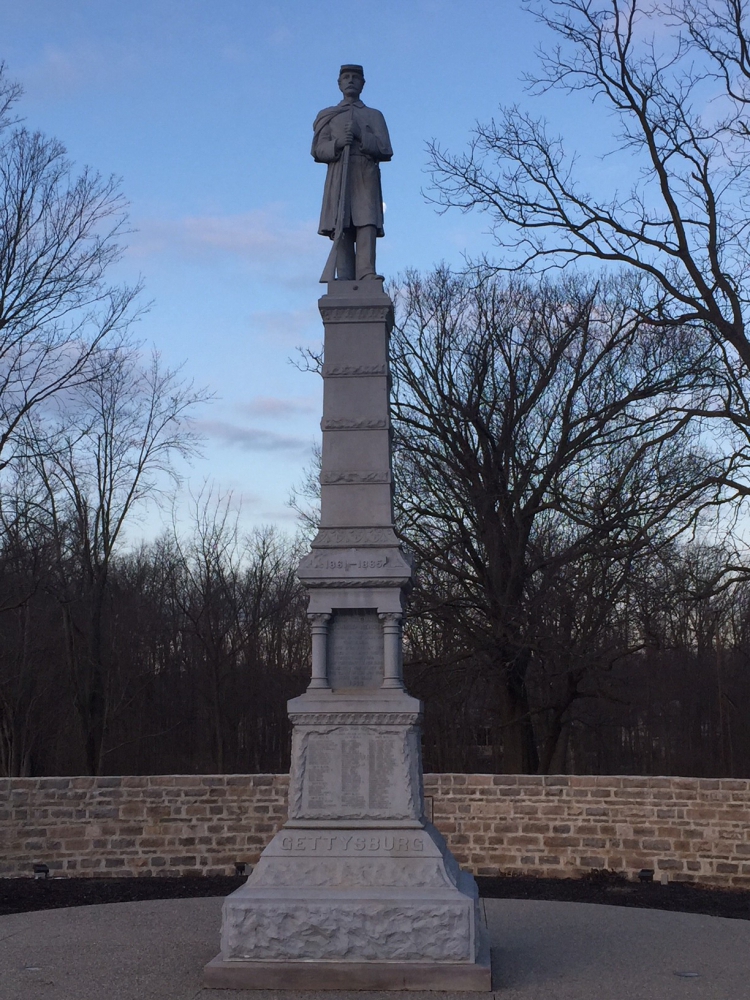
352,907
353,895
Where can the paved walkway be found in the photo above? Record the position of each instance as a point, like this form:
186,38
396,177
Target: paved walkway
541,951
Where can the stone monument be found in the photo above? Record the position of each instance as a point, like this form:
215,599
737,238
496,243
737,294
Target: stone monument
358,890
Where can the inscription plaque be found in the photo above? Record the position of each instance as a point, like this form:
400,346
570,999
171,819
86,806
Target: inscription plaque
355,649
353,752
382,770
353,772
322,790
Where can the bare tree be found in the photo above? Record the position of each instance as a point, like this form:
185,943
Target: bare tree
210,602
58,237
679,101
244,632
678,701
29,667
111,451
540,446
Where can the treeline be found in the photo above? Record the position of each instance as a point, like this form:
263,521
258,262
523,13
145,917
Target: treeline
204,638
181,663
677,705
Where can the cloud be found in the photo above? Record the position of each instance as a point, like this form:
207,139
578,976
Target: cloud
276,406
234,53
287,326
262,238
281,36
251,438
272,516
63,71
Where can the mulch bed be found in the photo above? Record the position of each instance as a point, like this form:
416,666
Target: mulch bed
19,895
679,896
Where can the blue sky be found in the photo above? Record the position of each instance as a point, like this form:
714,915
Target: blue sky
204,109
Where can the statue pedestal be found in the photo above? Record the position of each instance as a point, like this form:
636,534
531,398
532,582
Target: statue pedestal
358,890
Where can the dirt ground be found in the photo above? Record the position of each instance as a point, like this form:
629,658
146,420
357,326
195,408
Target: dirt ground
18,895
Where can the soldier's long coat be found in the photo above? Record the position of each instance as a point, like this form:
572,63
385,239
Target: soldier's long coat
364,203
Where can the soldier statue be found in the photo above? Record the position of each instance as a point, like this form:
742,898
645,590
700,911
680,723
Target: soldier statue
353,140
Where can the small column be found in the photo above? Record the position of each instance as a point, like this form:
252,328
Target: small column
319,625
392,650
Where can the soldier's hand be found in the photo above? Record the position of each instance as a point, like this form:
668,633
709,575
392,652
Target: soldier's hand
347,139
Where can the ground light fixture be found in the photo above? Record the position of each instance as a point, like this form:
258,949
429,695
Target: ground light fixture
646,875
41,871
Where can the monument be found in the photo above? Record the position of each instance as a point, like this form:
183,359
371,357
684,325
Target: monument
358,890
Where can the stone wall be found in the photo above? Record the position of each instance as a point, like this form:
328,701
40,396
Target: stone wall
694,829
158,825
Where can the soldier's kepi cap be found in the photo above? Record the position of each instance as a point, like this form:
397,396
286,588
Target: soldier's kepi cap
352,68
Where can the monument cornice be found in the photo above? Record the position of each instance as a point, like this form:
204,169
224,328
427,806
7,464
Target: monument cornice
362,581
353,371
335,538
326,719
344,424
357,314
342,478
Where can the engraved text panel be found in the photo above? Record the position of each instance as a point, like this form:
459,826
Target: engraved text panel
354,773
355,650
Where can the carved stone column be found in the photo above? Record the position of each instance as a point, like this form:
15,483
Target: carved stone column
392,652
319,629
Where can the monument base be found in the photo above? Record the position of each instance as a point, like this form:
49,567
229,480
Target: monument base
354,907
475,977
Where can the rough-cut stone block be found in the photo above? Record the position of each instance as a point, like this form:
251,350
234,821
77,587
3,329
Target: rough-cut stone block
364,926
442,976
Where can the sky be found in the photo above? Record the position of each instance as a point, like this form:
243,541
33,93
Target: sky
204,109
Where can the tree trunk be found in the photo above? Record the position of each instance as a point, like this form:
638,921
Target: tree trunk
519,746
88,673
97,695
217,715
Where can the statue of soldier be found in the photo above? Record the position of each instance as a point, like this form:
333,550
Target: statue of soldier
353,140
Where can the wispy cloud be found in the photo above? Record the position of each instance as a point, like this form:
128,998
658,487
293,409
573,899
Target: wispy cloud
281,37
287,326
283,514
251,438
60,71
277,406
262,238
235,53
